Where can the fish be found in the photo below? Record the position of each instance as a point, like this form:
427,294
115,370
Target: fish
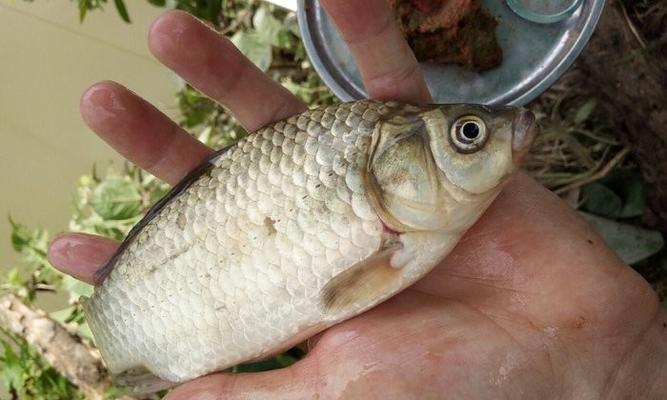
304,224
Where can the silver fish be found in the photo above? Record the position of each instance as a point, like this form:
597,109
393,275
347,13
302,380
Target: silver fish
304,224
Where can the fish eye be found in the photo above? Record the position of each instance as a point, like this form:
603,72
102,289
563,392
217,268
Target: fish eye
468,134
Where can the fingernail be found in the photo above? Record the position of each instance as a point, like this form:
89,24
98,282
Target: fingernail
101,105
80,254
172,38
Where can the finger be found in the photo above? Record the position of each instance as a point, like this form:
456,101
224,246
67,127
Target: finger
211,63
388,67
285,384
140,132
81,255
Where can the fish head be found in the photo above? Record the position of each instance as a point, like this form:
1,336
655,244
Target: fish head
477,147
439,167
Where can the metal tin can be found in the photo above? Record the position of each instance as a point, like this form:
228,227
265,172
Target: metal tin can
536,54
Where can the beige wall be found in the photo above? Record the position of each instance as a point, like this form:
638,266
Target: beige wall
46,60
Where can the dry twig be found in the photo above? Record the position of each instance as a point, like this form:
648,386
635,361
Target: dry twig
601,173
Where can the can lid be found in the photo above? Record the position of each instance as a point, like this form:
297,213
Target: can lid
535,53
544,11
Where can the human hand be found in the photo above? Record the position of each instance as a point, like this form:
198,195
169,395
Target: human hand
530,304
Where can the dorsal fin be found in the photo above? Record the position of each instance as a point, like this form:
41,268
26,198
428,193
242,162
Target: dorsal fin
202,169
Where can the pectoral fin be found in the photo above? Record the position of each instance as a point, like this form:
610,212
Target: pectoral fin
363,282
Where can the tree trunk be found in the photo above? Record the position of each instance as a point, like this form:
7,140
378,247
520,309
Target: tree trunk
66,351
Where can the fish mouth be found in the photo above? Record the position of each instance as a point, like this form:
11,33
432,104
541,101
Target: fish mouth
523,132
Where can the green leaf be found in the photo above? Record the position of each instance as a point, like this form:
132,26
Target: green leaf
31,244
194,106
27,376
213,11
259,366
600,200
122,10
585,111
205,135
114,393
84,330
116,199
630,242
620,196
14,277
158,193
285,360
635,200
283,39
12,372
158,3
255,47
266,26
83,10
76,288
291,24
632,191
21,237
63,314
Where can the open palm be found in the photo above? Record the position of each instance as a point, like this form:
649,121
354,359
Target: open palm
531,303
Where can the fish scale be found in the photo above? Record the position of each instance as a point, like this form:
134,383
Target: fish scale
134,325
306,223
